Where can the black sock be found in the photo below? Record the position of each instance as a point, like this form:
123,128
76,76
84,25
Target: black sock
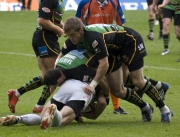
44,96
151,24
153,82
166,38
152,92
133,98
129,83
34,83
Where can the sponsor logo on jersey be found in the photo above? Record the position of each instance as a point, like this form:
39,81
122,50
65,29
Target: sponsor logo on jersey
65,60
45,9
94,44
85,78
77,54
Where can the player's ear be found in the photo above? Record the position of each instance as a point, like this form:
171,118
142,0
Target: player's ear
81,30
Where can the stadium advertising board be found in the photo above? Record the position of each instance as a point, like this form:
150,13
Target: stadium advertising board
15,5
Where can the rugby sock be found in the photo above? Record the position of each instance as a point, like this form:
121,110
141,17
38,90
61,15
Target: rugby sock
132,97
164,110
34,83
115,101
152,92
146,107
29,119
166,38
151,24
129,83
57,119
155,83
44,96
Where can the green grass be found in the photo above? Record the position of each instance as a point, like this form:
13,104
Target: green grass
18,65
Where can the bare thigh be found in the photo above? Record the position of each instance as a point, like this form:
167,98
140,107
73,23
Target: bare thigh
166,25
177,32
46,64
138,78
116,83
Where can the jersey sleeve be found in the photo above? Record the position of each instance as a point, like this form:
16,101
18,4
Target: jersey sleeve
80,7
46,8
97,43
120,18
82,10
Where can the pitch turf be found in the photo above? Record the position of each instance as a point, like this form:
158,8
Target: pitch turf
18,65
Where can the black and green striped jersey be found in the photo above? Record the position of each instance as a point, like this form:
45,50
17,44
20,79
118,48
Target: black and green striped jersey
51,10
81,64
106,39
75,65
174,5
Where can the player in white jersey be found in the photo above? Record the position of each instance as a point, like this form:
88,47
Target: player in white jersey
66,105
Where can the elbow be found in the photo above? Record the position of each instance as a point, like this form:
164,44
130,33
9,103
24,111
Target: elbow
41,21
106,65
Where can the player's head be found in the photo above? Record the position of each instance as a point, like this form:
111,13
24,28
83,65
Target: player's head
74,29
53,77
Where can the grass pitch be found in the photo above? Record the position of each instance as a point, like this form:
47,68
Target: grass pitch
18,65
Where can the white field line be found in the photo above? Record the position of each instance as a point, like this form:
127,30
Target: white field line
32,55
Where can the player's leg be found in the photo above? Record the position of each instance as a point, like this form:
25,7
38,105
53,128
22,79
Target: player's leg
46,49
162,87
146,87
167,18
159,18
116,85
13,95
44,65
151,20
116,105
28,119
177,30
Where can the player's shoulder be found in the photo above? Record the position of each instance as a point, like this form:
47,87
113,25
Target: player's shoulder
84,2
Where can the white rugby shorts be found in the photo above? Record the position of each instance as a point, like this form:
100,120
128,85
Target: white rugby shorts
72,90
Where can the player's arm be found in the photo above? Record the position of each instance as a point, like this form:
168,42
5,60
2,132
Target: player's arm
47,24
100,73
165,2
45,14
154,6
61,24
120,18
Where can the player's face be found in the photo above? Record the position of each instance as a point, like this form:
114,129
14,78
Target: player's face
75,36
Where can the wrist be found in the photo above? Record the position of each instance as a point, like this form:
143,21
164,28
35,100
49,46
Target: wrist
93,84
56,61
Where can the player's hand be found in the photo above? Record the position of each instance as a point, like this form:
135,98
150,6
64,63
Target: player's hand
155,10
160,7
88,90
79,119
60,32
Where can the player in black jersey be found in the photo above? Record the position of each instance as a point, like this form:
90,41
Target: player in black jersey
104,40
46,47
